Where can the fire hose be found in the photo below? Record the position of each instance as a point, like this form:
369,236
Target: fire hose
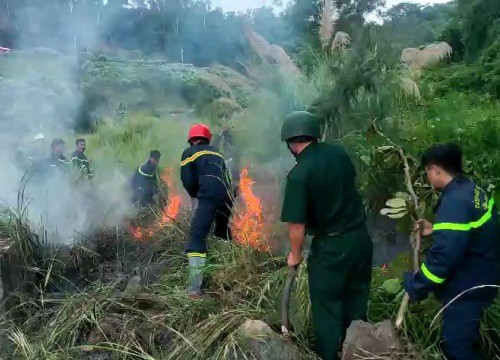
285,301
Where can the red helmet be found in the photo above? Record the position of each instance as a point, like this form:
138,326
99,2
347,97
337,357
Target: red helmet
199,131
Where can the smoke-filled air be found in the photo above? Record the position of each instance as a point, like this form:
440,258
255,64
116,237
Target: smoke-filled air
180,181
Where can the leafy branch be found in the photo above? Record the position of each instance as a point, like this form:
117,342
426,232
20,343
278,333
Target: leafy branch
400,206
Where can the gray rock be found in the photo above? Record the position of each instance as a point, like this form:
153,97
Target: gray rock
258,341
371,340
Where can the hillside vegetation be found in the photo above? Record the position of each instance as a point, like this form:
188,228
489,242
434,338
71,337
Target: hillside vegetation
110,296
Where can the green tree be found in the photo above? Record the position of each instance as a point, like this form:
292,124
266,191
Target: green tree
478,31
304,16
412,25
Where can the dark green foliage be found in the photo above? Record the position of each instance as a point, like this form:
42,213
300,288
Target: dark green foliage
477,24
489,62
452,34
303,16
481,76
362,87
413,25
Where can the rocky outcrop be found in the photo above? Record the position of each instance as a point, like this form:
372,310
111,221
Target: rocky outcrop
365,340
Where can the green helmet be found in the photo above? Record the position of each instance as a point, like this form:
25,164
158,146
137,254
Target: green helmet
300,123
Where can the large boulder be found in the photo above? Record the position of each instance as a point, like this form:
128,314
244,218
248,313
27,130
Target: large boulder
258,341
365,340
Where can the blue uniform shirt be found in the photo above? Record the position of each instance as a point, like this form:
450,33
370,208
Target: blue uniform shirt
466,248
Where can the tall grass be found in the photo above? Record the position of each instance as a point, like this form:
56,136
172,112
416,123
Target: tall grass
160,322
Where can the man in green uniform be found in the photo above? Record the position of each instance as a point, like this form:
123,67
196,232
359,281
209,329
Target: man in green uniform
321,199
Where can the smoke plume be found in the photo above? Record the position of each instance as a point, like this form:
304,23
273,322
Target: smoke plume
40,94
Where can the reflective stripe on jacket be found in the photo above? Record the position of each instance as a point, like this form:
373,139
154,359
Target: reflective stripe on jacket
145,182
466,249
204,173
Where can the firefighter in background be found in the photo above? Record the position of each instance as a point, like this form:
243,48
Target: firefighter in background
465,252
224,142
145,181
33,155
80,160
38,151
205,177
57,160
321,199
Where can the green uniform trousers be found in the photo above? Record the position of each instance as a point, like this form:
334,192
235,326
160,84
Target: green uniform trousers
339,269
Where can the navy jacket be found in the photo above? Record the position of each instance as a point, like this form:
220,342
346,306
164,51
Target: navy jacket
144,184
466,248
204,173
82,163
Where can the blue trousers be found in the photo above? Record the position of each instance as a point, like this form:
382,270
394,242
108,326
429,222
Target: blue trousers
461,329
209,211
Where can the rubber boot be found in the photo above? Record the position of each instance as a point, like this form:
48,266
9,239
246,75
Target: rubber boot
196,268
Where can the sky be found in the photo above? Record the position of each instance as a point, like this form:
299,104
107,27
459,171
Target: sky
243,5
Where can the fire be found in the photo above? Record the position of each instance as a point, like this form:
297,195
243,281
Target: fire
248,222
169,213
136,232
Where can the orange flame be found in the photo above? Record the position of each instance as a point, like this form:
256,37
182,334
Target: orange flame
248,223
136,232
169,213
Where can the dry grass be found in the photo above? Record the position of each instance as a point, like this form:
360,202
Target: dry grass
341,40
284,62
417,59
258,44
327,23
410,88
271,55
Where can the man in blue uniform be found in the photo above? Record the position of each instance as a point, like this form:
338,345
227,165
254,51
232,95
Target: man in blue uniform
57,158
81,161
145,181
465,252
205,177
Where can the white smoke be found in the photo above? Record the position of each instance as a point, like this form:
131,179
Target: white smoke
40,93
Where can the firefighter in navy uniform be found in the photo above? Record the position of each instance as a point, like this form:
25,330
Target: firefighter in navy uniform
321,198
145,181
32,156
465,252
80,161
205,178
57,160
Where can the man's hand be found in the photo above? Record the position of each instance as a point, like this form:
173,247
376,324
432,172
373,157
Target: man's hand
424,226
408,286
294,259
